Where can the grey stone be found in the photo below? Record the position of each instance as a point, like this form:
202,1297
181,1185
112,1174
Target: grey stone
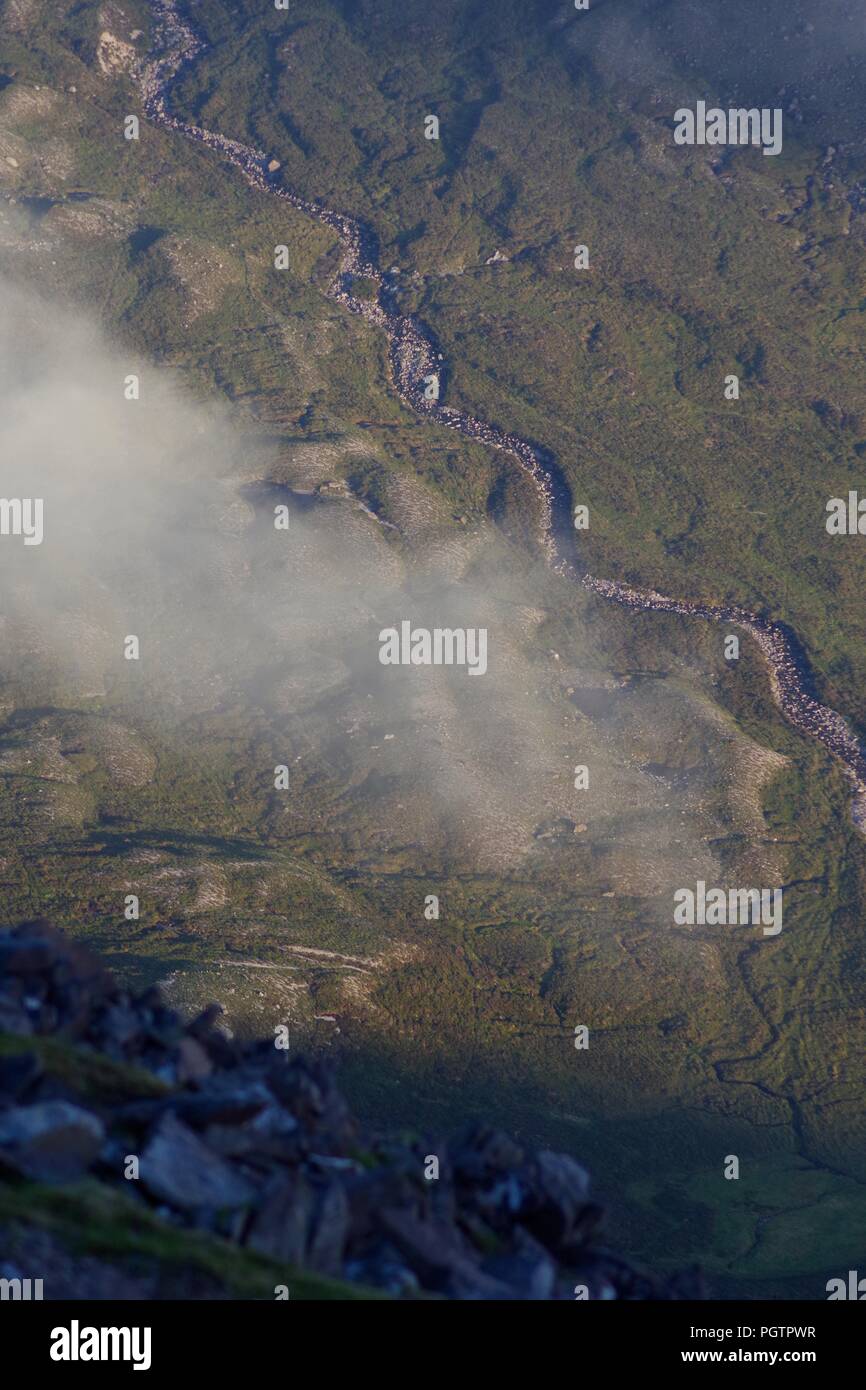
179,1169
280,1226
52,1141
330,1231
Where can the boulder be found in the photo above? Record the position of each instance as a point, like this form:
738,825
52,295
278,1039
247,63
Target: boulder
179,1169
52,1141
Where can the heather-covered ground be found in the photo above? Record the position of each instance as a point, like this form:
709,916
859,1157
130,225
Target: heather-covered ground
556,905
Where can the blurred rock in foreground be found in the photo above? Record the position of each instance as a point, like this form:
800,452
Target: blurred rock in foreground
252,1173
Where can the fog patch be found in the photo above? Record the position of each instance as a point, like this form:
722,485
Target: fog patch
157,526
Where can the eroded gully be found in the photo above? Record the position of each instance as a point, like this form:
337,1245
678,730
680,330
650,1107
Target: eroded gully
415,361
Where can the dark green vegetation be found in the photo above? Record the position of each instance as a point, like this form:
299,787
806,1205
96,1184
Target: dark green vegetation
700,265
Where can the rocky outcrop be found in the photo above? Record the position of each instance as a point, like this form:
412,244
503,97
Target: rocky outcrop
108,1097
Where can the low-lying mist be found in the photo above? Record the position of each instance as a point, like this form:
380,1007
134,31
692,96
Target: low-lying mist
157,526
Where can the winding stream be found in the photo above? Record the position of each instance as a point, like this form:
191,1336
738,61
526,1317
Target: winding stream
415,359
